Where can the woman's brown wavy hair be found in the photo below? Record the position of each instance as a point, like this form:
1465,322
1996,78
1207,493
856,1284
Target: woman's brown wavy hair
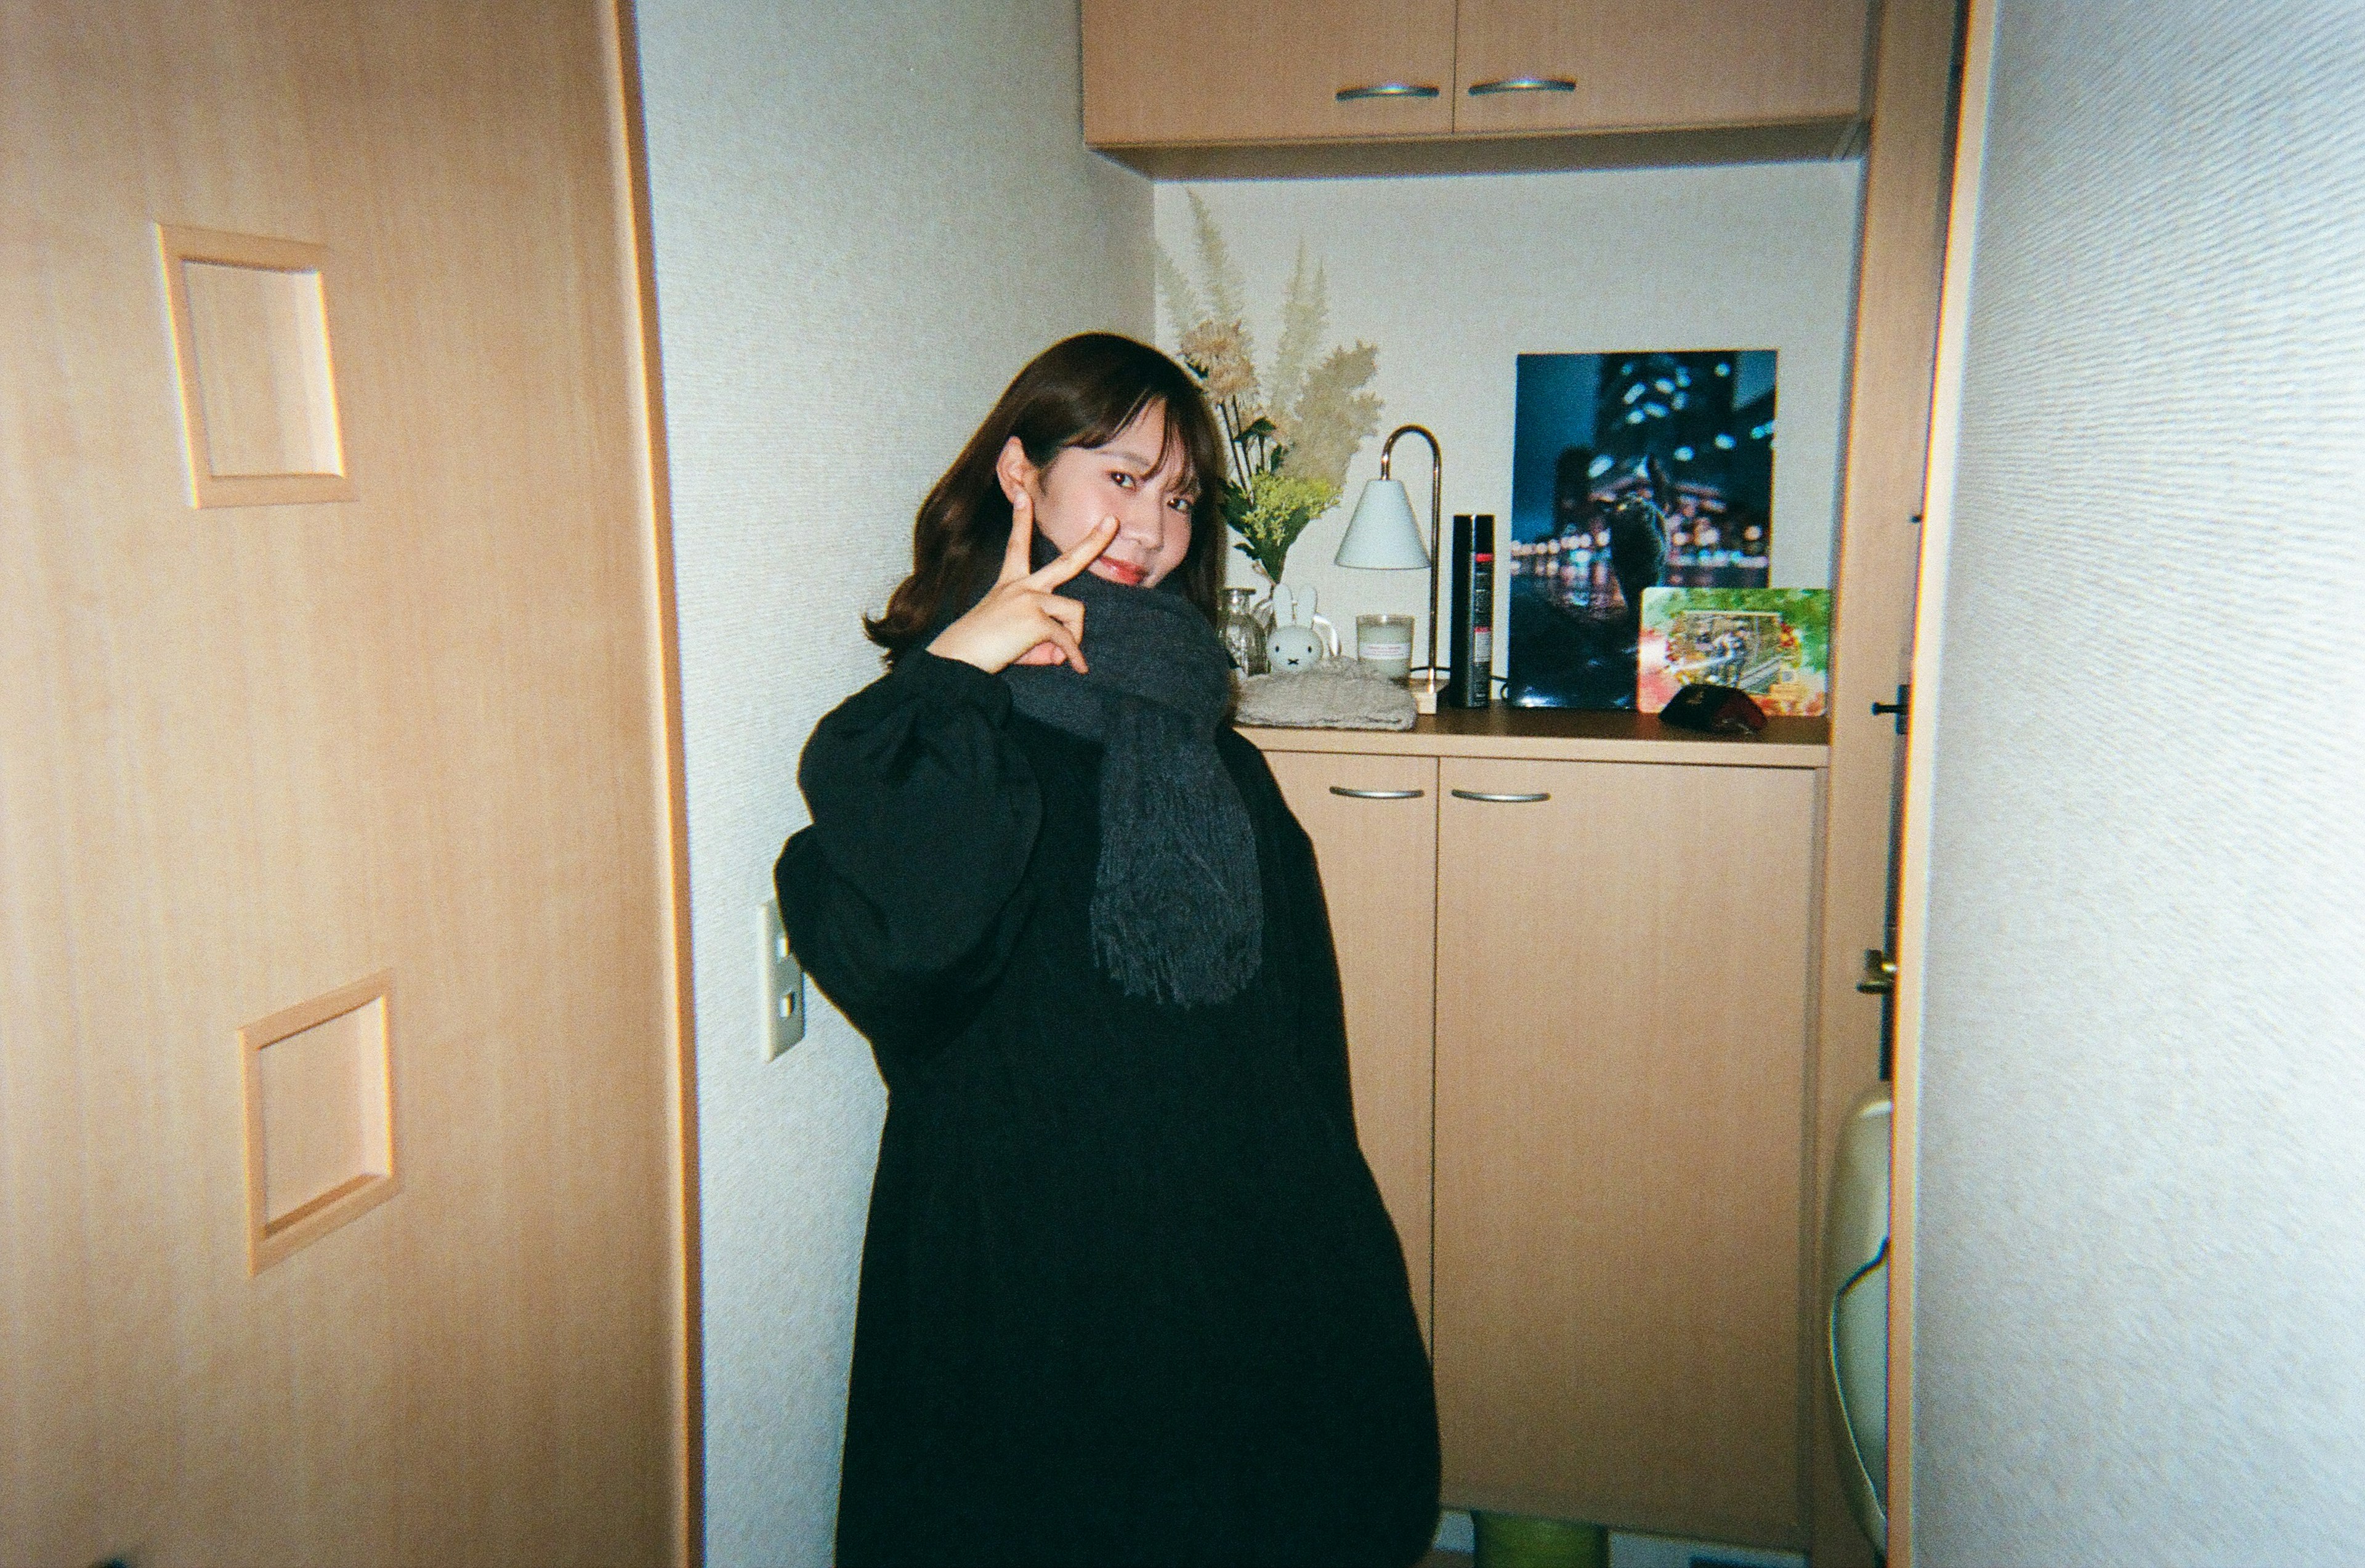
1079,392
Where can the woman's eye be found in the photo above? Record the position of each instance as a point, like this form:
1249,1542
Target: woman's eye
1122,481
1180,503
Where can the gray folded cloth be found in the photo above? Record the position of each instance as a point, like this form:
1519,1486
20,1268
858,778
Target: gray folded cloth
1338,694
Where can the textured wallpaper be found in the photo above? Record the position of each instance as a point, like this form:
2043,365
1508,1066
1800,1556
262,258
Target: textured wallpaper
866,218
2142,1219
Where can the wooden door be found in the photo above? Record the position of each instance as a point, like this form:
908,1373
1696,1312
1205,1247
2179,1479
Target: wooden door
1621,1110
1523,65
1373,823
375,741
1156,72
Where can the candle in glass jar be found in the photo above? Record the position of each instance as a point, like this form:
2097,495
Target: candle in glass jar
1383,644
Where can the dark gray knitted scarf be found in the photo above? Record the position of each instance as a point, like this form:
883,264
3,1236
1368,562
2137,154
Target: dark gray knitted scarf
1178,910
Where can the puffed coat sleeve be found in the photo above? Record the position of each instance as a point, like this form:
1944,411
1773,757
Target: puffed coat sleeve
903,897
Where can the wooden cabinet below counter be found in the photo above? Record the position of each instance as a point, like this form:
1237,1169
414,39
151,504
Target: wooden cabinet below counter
1576,975
1621,1126
1373,823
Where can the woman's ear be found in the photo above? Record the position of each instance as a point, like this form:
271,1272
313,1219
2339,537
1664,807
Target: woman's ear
1015,470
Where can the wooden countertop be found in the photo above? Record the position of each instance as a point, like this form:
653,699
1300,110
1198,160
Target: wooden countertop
1566,734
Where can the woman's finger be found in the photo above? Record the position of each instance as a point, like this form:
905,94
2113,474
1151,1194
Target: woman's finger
1077,559
1019,554
1066,612
1062,638
1041,653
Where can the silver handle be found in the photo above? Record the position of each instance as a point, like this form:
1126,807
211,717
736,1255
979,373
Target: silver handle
1386,90
1522,85
1377,794
1526,800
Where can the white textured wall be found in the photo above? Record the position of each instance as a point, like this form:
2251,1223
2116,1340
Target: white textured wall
866,218
2142,1220
1454,277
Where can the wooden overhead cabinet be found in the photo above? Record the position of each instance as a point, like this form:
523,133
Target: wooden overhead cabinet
1232,73
1535,65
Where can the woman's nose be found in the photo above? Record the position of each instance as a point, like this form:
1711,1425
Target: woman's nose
1144,522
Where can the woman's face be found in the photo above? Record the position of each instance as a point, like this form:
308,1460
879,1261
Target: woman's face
1137,479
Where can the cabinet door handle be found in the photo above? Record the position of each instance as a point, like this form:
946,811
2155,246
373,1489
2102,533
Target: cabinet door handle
1386,90
1377,794
1522,85
1528,799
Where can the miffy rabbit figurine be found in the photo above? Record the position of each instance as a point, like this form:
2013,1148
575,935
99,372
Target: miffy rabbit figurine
1299,639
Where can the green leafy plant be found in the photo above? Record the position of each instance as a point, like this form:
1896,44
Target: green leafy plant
1291,441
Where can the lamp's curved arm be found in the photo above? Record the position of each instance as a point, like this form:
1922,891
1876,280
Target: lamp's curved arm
1435,516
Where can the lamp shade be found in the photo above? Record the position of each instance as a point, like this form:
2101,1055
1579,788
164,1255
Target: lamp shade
1383,534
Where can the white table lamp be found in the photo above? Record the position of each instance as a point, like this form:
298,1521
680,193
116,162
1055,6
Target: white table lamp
1385,536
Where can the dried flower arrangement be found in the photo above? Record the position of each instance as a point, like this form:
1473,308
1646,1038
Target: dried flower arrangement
1291,441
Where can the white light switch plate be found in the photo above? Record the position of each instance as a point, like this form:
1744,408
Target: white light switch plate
784,987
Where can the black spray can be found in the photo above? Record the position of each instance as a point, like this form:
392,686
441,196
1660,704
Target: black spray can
1472,683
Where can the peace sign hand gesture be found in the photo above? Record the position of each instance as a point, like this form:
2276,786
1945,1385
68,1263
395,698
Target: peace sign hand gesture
1022,621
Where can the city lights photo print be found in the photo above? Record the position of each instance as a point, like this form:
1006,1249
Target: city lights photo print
1629,471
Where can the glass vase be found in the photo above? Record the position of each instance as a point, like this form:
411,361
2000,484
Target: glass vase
1242,631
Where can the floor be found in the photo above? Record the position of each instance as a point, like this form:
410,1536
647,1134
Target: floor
1648,1552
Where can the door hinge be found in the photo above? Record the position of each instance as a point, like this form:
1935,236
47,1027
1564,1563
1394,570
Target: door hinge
1879,974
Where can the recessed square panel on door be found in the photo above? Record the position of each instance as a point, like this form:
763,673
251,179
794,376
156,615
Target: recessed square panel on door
250,318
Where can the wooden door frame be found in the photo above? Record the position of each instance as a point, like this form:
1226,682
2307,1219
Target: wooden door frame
1900,267
1921,748
629,143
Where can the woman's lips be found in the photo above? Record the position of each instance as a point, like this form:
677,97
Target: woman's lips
1124,572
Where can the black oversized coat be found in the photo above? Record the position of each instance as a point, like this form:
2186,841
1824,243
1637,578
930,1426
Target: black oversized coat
1128,1293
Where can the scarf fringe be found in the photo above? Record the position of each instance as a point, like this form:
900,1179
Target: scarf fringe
1178,907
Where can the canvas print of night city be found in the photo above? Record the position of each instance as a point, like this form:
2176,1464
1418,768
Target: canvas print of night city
1629,471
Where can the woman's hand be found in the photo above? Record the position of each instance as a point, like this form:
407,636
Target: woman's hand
1022,621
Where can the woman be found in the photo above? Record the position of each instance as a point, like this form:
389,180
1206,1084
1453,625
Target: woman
1128,1294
